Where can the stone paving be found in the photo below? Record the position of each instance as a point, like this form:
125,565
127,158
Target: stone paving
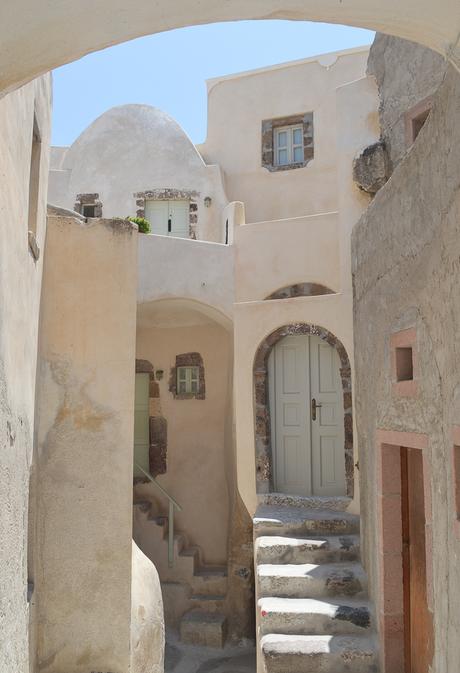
180,658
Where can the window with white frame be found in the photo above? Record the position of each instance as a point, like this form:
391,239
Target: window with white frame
289,145
187,380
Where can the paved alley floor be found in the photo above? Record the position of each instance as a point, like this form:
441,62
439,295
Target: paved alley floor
180,658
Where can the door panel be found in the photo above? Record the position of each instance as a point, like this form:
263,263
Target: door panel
418,627
289,386
168,218
141,422
157,213
308,455
327,431
328,448
179,214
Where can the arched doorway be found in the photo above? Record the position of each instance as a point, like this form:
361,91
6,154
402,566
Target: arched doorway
303,413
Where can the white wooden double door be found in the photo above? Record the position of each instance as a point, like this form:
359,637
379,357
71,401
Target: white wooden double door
307,445
168,218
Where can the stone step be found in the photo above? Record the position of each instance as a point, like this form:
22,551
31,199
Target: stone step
279,549
207,629
309,616
332,503
210,581
142,506
298,521
306,580
318,654
207,603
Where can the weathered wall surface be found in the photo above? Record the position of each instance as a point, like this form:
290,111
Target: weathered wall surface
85,438
406,262
20,282
147,621
416,80
234,139
196,458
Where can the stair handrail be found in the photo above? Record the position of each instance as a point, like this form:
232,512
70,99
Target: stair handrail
172,504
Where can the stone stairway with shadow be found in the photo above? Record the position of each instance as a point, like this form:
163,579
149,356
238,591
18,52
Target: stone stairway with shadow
313,612
194,593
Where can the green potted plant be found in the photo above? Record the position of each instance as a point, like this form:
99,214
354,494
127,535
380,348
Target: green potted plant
142,224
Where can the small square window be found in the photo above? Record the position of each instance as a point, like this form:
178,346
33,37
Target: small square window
404,364
288,143
187,380
88,210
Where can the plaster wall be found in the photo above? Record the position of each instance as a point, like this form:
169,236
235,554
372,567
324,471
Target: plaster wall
157,154
420,78
406,255
20,283
234,137
192,270
253,322
280,253
196,457
85,444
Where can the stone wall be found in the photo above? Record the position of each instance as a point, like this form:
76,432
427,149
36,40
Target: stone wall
406,265
419,74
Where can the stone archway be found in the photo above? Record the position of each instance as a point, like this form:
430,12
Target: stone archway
264,472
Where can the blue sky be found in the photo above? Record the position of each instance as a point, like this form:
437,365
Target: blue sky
169,70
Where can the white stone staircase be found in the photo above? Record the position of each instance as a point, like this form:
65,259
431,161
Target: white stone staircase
313,614
193,593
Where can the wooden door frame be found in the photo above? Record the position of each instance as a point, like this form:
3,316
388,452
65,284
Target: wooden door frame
390,598
262,423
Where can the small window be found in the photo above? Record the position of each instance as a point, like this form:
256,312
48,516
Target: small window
34,178
187,380
404,364
418,122
289,145
88,210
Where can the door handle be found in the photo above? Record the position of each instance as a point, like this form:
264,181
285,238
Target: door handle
314,407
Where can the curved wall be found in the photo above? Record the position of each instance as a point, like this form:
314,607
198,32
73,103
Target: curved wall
29,43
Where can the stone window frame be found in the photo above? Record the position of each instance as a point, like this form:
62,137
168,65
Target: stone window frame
300,290
88,200
158,427
268,140
166,194
262,424
188,360
389,515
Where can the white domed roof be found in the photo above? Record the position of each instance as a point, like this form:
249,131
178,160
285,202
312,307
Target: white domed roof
132,134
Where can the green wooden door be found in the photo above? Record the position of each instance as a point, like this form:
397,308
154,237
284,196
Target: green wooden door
141,422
